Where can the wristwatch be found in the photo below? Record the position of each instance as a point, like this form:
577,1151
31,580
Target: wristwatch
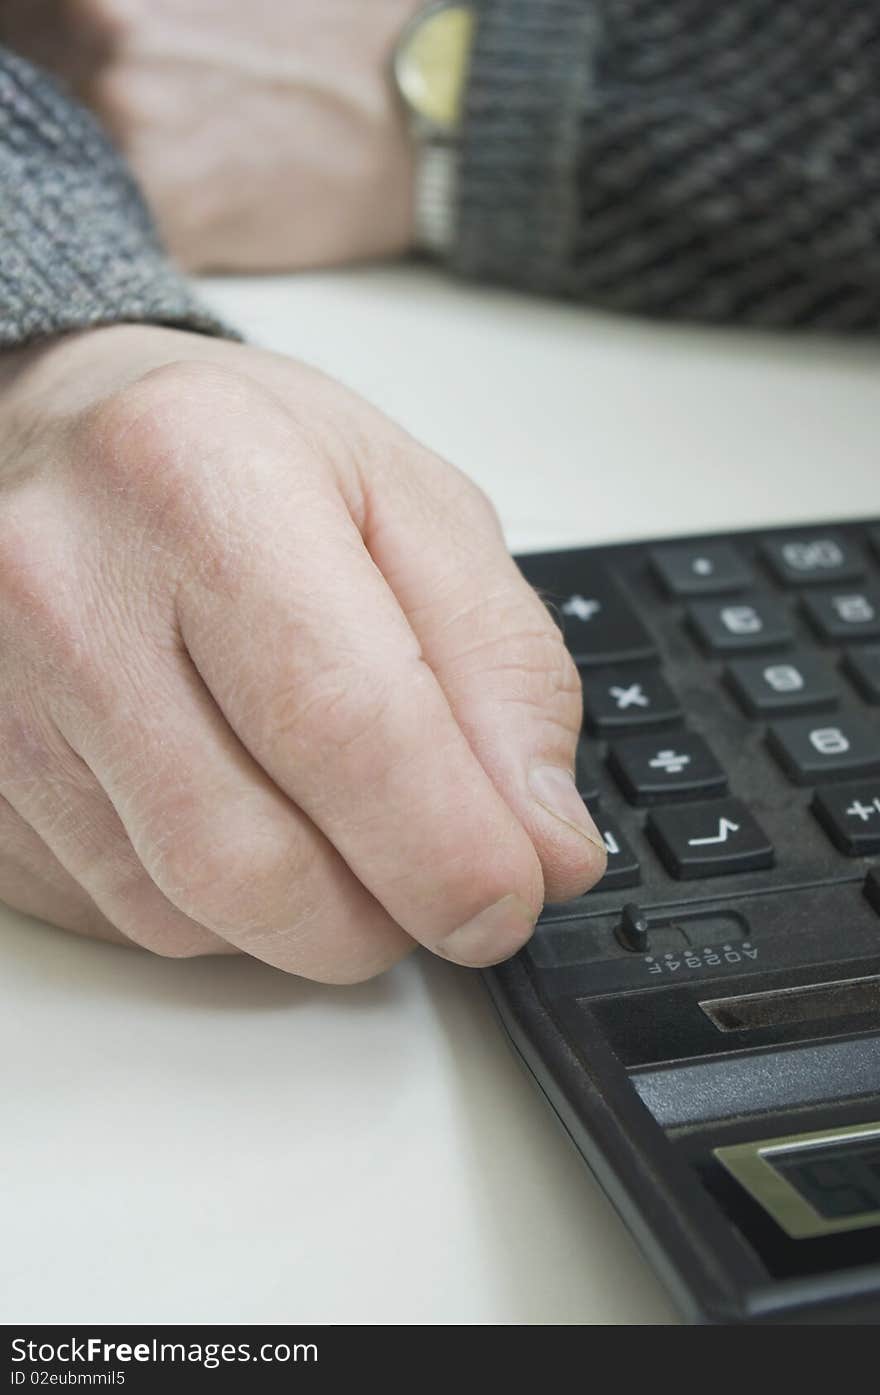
430,69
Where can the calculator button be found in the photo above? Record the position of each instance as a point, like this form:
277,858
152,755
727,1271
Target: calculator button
846,616
850,815
813,751
708,570
807,561
709,840
766,687
650,769
626,699
872,890
599,623
585,775
863,667
623,865
755,622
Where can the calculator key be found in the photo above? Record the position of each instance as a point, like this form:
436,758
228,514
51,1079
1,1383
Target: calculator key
754,622
863,667
709,840
623,865
651,770
813,751
806,561
620,700
850,815
702,570
599,623
766,687
585,775
872,890
845,616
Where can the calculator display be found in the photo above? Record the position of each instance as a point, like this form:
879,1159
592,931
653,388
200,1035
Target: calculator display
837,1180
813,1184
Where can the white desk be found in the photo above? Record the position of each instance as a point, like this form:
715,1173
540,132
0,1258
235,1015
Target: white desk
209,1141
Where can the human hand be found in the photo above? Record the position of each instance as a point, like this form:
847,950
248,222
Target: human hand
265,136
271,681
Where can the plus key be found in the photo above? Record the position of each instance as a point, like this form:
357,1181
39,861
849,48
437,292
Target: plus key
850,815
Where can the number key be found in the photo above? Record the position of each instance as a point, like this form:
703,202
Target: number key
806,561
863,667
765,687
813,752
845,615
755,622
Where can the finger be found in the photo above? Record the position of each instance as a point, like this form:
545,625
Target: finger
313,663
52,790
495,650
33,881
209,829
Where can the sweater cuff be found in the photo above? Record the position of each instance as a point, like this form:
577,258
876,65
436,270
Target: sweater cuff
77,246
530,73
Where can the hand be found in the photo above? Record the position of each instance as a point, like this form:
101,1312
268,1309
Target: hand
270,681
266,135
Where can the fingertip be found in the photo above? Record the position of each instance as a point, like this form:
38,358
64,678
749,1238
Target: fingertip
489,937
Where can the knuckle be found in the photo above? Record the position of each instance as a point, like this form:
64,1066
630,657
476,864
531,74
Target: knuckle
137,909
152,438
228,884
463,501
475,504
333,713
518,655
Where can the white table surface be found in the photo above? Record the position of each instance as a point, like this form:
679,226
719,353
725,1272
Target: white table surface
210,1141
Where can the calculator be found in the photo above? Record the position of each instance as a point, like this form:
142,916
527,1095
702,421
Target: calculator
705,1023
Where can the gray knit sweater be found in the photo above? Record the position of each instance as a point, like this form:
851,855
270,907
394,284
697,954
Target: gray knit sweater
672,157
77,247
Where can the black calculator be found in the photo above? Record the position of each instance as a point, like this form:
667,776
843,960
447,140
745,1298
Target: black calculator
705,1022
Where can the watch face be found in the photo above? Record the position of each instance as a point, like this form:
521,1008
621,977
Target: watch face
430,63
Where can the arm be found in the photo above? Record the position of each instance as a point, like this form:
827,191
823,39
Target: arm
708,162
78,246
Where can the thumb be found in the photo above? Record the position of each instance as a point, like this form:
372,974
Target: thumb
497,654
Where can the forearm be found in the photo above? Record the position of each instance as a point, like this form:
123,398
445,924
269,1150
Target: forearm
711,163
77,247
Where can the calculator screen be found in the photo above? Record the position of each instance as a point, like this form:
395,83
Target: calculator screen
813,1184
837,1180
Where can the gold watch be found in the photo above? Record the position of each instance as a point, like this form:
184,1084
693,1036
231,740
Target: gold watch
431,62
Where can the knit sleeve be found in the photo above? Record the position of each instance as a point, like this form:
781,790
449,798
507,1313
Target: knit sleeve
77,247
677,158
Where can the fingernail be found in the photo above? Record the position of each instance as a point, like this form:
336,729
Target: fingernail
555,790
491,936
